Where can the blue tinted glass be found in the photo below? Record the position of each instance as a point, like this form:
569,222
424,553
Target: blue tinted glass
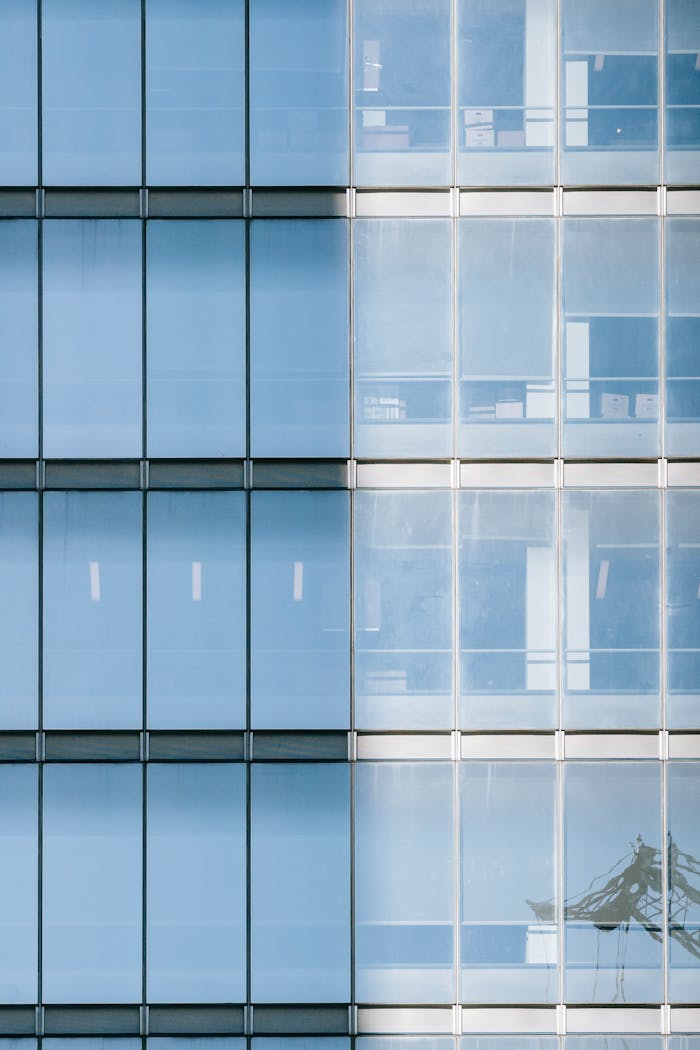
300,646
196,338
18,338
403,338
611,609
682,240
300,883
404,895
299,338
91,92
506,337
196,610
684,867
18,884
92,610
195,92
403,663
509,1042
302,1043
507,88
298,93
92,1043
92,338
682,159
611,337
196,883
508,599
195,1042
92,883
612,873
612,1042
18,610
405,1042
18,93
509,943
19,1044
402,93
683,610
610,92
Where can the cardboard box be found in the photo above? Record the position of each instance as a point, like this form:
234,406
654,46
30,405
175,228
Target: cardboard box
478,116
646,406
479,137
614,406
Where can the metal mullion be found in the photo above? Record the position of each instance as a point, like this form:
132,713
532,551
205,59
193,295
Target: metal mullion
455,497
559,858
247,757
143,95
665,852
144,753
350,15
558,101
665,863
560,767
661,90
454,95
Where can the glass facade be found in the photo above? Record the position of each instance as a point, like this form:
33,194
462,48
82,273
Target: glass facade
349,525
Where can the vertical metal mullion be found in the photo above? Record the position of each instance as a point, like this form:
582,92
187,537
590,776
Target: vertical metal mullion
350,14
40,753
144,753
559,856
455,497
39,96
143,94
665,875
560,767
558,331
665,852
662,94
246,100
248,578
559,100
454,95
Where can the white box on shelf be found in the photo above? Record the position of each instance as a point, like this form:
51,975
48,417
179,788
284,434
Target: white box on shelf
478,116
479,136
614,406
510,409
646,406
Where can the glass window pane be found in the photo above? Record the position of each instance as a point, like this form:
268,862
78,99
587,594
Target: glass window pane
610,92
403,614
195,1042
300,644
299,370
91,92
508,600
683,882
611,335
682,238
196,338
402,93
611,610
683,610
92,610
612,882
18,338
299,1042
509,1042
509,940
109,1042
18,884
682,159
92,338
406,1042
300,883
18,93
404,895
403,338
195,92
614,1042
196,610
92,883
506,337
196,883
507,88
298,93
19,542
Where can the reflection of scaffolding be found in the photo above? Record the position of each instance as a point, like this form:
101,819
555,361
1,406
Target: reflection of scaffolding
630,894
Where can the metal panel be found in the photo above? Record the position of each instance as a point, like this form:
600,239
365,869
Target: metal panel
92,1020
17,747
684,745
610,202
301,1020
300,474
683,202
612,745
507,475
196,747
611,475
302,747
518,203
203,474
404,746
299,204
684,474
685,1019
17,1020
17,204
92,747
20,474
506,745
405,1020
93,474
612,1020
506,1020
199,204
404,475
387,205
92,204
195,1020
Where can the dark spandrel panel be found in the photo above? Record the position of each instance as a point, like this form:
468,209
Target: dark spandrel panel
301,1020
91,1020
92,204
196,747
181,474
92,747
299,204
300,474
17,204
17,747
201,204
17,1020
300,746
18,475
93,475
195,1020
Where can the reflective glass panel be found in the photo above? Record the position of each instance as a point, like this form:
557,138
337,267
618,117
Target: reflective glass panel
196,338
507,88
18,93
18,337
19,542
299,317
405,1042
508,925
403,338
683,610
610,92
402,93
612,882
298,93
299,1042
610,337
92,338
508,601
682,239
18,883
613,1042
91,92
196,610
196,872
109,1042
403,610
611,610
92,610
92,883
683,792
404,896
300,883
506,337
195,92
300,607
682,159
509,1042
195,1042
